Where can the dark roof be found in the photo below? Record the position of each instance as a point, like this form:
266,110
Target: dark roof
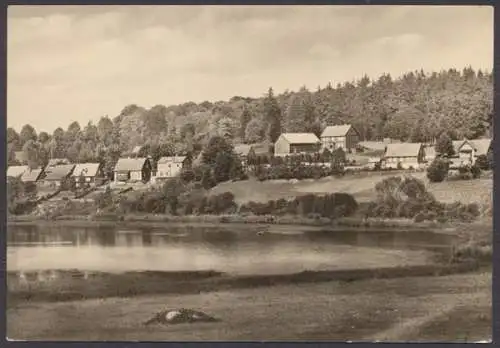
171,159
58,172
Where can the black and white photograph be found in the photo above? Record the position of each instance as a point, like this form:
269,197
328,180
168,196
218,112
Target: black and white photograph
249,173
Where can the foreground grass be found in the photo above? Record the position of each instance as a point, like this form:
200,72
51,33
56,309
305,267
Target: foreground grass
447,308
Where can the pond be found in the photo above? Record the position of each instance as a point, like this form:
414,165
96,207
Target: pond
230,250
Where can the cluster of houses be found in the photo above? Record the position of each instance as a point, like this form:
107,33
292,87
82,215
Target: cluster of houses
385,154
60,171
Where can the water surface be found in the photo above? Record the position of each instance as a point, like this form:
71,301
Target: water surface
109,249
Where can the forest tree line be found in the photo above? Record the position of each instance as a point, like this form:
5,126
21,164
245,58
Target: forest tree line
415,107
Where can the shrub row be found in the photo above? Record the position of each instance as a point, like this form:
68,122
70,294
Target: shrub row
299,172
329,205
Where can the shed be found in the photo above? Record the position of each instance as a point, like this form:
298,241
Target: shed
403,155
171,166
89,171
295,143
344,136
133,169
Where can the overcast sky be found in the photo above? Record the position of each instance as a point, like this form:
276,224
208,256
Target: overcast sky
77,63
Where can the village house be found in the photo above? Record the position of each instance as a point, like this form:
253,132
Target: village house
467,151
296,143
16,171
57,176
403,156
243,151
472,149
32,175
171,166
90,173
344,136
463,153
132,170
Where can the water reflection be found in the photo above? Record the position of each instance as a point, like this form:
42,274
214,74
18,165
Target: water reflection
180,249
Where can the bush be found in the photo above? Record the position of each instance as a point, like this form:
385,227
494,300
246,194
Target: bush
407,197
295,170
104,199
419,217
483,163
475,171
187,175
437,170
467,173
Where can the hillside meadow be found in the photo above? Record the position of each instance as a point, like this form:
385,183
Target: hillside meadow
360,185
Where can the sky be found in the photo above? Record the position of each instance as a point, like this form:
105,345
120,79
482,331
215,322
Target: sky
78,63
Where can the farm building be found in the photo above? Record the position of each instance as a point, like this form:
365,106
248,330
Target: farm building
295,143
57,176
171,166
92,173
404,156
32,175
344,136
16,171
133,170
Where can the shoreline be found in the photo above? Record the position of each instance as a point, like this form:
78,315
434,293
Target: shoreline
72,285
151,220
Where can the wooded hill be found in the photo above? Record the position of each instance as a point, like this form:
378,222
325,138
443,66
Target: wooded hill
418,106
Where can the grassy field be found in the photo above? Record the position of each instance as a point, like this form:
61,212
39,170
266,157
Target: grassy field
361,185
447,308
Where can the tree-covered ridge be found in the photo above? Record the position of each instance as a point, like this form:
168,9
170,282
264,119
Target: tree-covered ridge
418,106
